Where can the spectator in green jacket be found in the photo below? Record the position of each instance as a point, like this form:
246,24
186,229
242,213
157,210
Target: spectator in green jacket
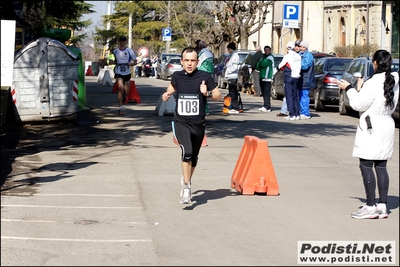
266,67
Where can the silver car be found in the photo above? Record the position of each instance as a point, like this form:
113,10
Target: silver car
360,67
162,59
173,64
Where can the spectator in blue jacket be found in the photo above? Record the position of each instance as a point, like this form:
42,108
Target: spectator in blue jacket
306,81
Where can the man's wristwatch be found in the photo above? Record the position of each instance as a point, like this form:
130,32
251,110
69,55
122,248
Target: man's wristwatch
209,94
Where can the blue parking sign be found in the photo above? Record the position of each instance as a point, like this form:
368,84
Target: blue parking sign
290,16
166,34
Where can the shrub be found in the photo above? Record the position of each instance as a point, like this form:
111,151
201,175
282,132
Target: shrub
356,50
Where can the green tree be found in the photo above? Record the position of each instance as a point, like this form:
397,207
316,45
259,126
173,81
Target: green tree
35,15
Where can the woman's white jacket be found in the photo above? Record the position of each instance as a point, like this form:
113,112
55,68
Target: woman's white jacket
377,144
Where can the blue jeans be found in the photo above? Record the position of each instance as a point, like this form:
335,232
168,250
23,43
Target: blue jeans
284,106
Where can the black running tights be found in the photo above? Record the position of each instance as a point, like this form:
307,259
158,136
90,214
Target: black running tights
369,181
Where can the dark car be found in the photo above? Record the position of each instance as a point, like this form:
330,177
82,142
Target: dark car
277,89
162,59
173,64
218,67
244,72
327,70
363,67
318,55
146,68
224,81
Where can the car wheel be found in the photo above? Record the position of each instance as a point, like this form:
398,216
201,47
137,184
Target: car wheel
274,95
318,105
342,106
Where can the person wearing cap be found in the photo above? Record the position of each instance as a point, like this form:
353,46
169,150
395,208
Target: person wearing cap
284,111
291,66
124,59
232,68
206,62
307,80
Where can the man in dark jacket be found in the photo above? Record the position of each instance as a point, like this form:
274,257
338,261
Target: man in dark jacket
255,74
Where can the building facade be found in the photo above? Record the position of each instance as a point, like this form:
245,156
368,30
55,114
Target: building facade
328,24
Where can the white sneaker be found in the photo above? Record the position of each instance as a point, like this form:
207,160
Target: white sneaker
185,193
304,117
292,118
233,111
297,118
263,109
382,210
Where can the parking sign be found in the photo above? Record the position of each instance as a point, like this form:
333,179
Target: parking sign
166,34
290,16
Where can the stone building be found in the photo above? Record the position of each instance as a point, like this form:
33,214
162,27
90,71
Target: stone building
328,24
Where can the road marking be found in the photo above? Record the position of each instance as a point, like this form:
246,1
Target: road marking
67,207
50,221
77,240
84,195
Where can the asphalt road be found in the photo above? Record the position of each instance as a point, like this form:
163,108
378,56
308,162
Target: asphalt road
104,190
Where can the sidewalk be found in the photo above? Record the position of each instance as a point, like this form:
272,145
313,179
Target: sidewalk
104,191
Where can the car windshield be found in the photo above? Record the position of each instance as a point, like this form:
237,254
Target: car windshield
175,61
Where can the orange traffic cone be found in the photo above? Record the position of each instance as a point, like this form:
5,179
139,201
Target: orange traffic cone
133,93
89,71
204,143
254,171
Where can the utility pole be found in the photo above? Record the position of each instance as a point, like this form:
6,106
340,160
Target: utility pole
167,43
130,30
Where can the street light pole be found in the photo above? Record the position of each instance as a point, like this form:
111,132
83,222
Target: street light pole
167,43
130,29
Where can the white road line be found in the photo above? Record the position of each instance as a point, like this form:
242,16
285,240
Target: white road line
76,240
67,207
83,195
49,221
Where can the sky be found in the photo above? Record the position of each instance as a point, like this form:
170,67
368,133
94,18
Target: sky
101,8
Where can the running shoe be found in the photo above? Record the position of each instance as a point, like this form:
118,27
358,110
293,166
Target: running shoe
366,212
382,210
185,193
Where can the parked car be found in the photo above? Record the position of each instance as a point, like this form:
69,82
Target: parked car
242,56
317,55
173,64
361,66
162,59
146,68
277,88
218,67
244,73
327,70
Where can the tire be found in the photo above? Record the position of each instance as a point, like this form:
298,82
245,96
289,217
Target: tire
342,106
274,95
318,105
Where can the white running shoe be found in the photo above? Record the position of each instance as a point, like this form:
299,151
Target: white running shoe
304,117
382,210
263,109
233,111
185,193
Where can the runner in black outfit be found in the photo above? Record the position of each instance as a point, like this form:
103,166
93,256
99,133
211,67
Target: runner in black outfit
190,88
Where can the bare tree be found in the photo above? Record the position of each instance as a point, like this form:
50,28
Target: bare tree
239,19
